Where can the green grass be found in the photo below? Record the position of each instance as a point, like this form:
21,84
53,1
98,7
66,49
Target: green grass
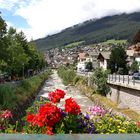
74,44
115,42
67,74
13,95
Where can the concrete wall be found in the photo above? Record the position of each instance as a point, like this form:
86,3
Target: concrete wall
127,96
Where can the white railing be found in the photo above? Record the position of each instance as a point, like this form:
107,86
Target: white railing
123,80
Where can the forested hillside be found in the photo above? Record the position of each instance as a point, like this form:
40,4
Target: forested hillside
123,26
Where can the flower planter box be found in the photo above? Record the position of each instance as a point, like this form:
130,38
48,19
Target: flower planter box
69,122
70,137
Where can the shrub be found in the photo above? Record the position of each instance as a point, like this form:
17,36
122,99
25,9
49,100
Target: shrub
66,74
99,79
14,94
109,124
7,96
76,79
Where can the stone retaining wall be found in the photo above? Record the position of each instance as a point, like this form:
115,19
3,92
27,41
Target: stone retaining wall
126,96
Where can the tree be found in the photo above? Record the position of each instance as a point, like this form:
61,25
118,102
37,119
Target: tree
2,38
17,55
89,66
16,58
2,27
134,66
36,60
118,60
136,38
99,79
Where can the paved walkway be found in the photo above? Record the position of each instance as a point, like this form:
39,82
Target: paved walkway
55,82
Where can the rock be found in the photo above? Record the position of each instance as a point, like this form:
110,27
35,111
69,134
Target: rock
122,106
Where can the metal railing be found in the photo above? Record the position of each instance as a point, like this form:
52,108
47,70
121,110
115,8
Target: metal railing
116,79
124,79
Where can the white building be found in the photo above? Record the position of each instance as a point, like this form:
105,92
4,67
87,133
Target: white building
103,59
133,54
81,66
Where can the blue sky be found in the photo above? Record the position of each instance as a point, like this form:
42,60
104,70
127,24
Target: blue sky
39,18
14,20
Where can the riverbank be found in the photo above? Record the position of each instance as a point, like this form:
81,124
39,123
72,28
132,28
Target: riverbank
55,82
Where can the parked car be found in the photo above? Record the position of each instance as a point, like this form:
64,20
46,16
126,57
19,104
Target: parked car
136,76
132,72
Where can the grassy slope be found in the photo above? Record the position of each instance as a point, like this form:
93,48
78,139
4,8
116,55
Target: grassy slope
113,41
13,95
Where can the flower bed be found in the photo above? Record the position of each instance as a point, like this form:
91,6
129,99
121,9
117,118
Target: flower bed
48,118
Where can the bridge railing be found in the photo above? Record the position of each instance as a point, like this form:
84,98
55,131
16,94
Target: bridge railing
123,79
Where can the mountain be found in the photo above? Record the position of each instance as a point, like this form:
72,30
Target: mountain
123,26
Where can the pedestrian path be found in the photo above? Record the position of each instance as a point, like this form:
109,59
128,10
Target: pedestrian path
55,82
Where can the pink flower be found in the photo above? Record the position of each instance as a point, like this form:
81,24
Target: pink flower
6,114
96,110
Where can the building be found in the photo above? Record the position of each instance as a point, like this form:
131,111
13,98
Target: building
81,66
133,52
103,59
84,57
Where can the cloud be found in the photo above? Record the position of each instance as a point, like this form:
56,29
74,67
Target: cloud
50,16
7,4
12,4
9,24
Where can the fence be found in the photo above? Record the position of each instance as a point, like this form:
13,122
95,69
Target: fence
124,79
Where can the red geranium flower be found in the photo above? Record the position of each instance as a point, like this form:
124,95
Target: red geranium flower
60,92
56,95
72,107
47,115
30,118
49,130
138,124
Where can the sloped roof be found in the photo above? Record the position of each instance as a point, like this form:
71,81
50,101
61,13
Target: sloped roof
105,55
83,55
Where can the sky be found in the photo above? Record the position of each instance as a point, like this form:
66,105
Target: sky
39,18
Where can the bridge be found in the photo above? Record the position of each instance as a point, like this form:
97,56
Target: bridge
123,80
124,91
